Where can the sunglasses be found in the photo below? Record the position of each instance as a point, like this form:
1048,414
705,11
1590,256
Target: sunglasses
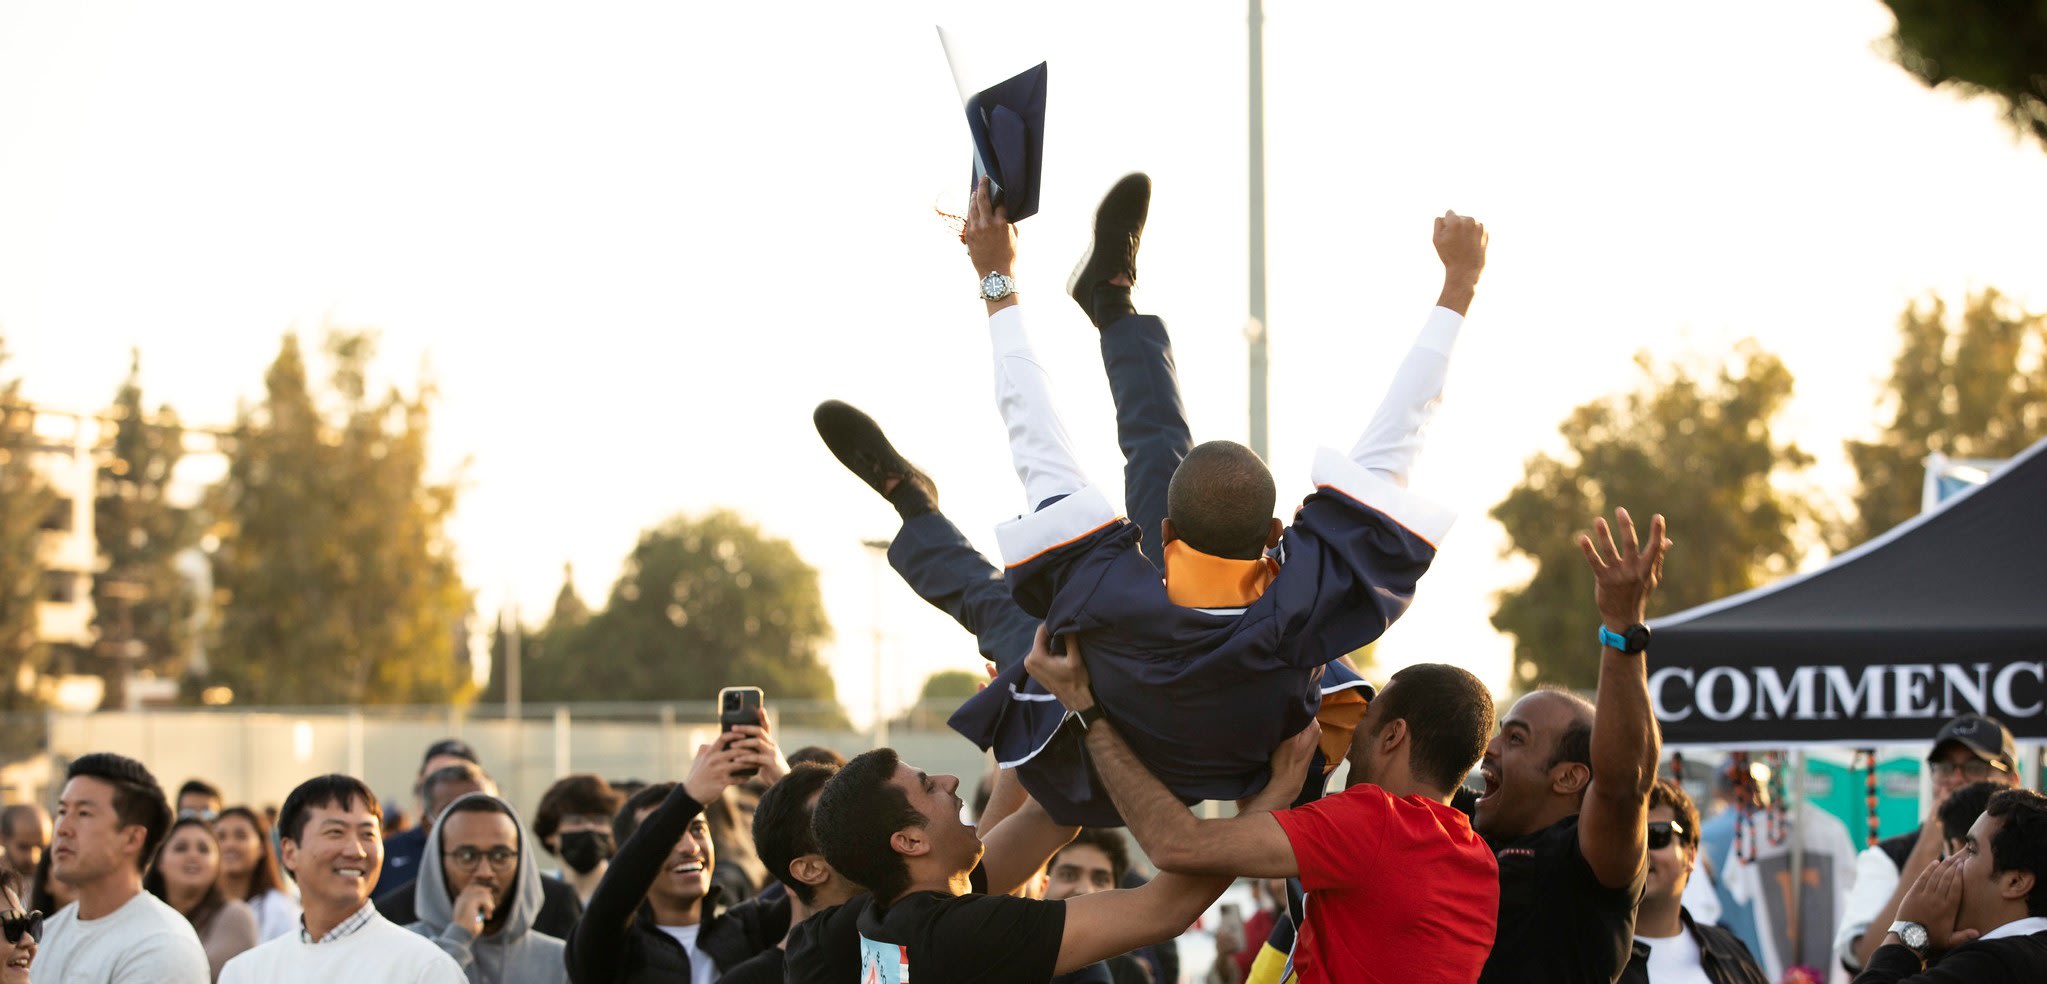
16,923
1662,832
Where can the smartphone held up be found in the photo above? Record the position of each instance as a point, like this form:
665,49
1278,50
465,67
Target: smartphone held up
737,706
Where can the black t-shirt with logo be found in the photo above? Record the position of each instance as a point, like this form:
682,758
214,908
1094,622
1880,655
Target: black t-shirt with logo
965,939
1557,922
825,947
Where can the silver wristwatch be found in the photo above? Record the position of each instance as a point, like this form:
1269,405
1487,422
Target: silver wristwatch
996,286
1913,934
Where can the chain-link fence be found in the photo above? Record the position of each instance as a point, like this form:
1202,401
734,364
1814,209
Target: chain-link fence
256,755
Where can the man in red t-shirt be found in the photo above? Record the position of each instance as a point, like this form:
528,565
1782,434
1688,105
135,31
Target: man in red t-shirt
1399,887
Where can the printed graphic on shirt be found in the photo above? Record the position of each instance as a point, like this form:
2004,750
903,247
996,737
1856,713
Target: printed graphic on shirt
883,963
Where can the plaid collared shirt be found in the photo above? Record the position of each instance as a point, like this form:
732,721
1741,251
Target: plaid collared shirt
347,927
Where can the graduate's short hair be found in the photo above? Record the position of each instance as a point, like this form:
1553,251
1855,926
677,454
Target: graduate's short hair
781,825
1221,499
860,809
1449,713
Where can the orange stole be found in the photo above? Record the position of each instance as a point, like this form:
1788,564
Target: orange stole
1198,580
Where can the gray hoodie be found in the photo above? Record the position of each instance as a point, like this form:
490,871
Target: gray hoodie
515,954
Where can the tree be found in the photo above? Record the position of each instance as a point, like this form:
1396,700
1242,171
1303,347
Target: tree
142,603
25,504
1979,47
702,603
951,686
1972,389
337,581
1691,443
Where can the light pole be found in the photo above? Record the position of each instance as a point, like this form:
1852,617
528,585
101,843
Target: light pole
1254,329
877,550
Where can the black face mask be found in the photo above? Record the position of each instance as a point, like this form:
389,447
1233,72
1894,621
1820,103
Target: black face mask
584,850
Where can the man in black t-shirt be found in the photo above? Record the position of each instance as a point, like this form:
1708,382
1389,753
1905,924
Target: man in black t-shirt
788,848
1566,799
897,830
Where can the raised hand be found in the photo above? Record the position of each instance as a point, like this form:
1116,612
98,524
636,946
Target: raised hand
1289,771
1935,900
715,764
1461,244
476,902
761,752
990,239
1624,575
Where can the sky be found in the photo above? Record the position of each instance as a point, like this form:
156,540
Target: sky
633,245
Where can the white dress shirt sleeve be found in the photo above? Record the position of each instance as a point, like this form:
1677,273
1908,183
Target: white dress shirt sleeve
1038,444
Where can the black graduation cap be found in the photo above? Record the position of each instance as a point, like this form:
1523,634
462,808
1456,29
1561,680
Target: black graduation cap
1007,121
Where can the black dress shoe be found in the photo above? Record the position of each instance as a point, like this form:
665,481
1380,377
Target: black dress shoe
857,441
1119,223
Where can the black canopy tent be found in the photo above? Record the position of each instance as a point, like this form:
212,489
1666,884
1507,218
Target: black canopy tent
1944,615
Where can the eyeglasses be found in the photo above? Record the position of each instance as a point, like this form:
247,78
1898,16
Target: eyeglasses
16,923
1974,770
1662,832
467,858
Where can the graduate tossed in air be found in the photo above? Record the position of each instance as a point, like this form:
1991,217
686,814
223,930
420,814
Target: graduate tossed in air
1208,668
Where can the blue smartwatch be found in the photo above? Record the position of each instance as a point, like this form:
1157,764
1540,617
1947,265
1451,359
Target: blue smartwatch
1632,642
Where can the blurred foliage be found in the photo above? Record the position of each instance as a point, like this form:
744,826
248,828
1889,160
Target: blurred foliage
1693,444
25,504
143,605
702,603
1973,388
336,580
1979,47
952,685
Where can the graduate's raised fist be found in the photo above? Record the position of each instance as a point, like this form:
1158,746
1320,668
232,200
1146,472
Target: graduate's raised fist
990,238
1461,243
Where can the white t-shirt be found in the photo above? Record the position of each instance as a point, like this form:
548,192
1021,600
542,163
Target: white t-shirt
277,913
379,951
142,942
1674,960
701,966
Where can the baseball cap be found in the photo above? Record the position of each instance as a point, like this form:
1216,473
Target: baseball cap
450,746
1986,736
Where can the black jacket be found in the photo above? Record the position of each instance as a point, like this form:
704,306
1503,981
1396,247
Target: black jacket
2011,959
1723,957
560,908
617,942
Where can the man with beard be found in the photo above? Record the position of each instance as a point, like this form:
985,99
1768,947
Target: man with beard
1399,887
479,894
1566,798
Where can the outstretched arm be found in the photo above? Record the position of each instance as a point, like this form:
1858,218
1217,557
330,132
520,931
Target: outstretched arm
1038,444
1104,924
1393,439
1250,844
1612,831
596,950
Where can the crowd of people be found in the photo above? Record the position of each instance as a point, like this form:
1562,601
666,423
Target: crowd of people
1194,650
